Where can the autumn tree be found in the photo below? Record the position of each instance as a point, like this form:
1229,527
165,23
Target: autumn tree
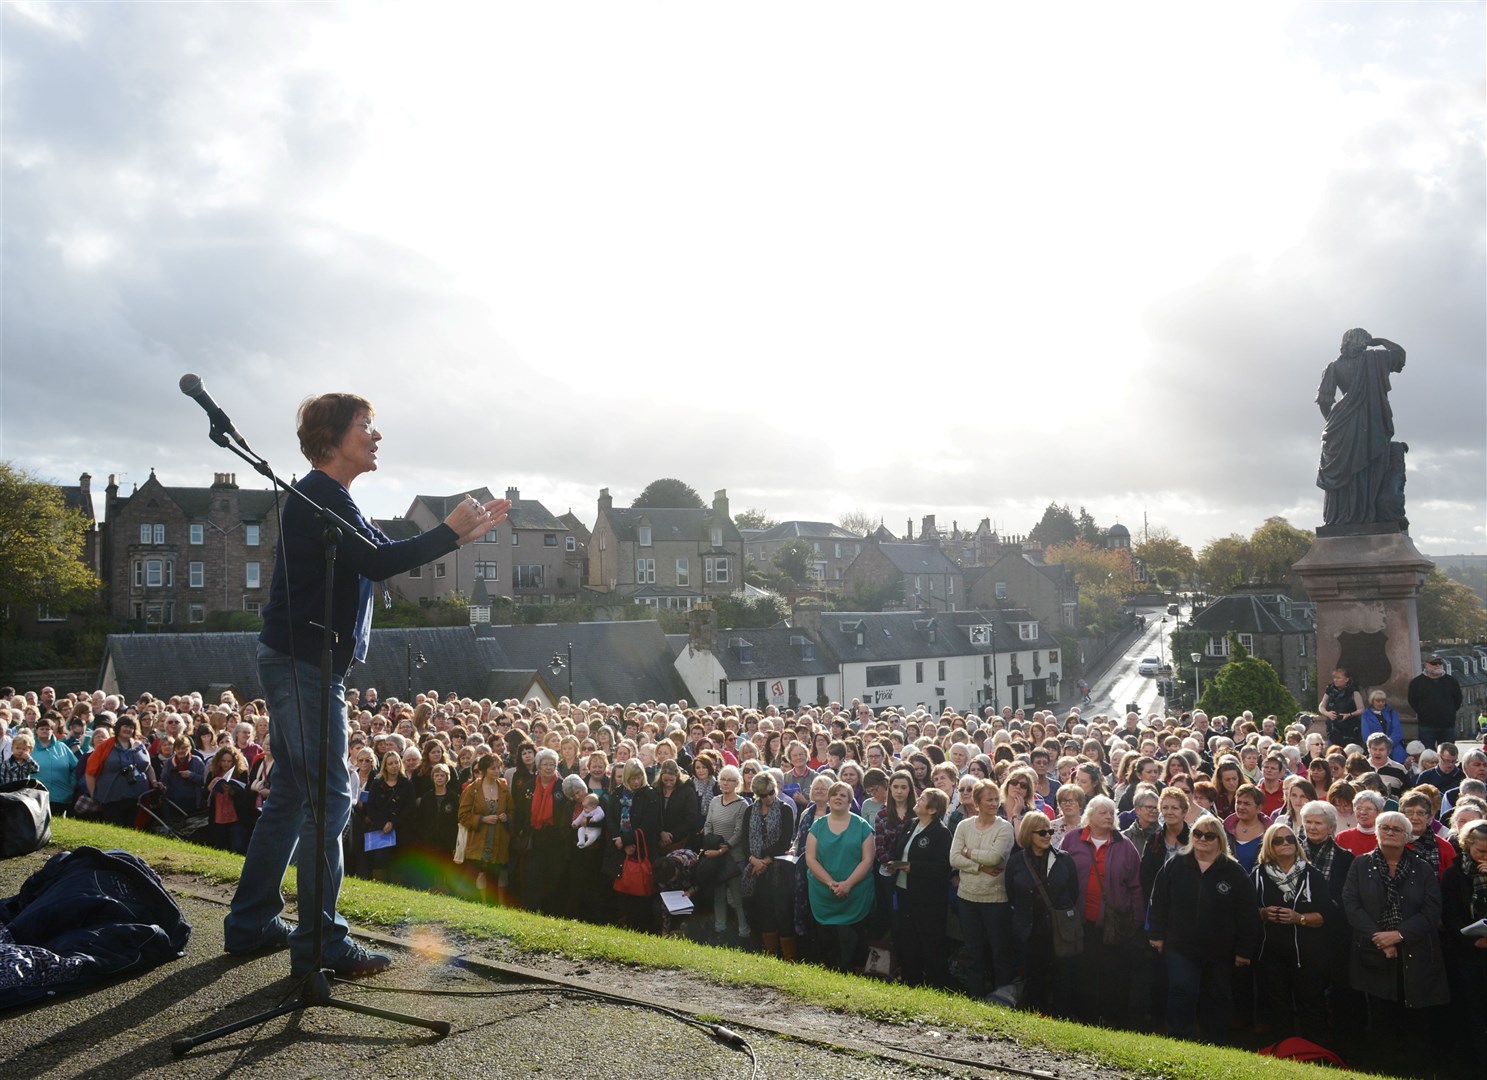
668,493
1266,557
1450,611
41,545
1168,560
1104,575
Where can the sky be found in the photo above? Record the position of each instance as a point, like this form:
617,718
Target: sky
959,259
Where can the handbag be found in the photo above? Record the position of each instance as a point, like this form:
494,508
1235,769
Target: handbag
709,873
462,840
25,818
1068,932
637,878
1120,926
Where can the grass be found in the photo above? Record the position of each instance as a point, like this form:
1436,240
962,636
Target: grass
391,908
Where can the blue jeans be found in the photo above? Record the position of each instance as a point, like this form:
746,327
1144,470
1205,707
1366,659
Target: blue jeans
1200,999
286,828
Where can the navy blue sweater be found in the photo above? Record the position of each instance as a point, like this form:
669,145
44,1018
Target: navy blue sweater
299,574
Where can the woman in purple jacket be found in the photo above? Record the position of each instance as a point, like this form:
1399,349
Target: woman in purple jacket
1109,872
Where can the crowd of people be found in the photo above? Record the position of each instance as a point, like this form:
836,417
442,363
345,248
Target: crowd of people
1189,874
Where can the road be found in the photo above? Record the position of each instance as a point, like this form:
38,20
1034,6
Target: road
1119,684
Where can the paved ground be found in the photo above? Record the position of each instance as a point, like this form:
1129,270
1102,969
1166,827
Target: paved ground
125,1029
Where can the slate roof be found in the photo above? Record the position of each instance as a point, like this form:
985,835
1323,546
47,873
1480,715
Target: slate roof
900,635
623,661
776,651
1250,613
910,558
398,528
670,524
196,502
805,530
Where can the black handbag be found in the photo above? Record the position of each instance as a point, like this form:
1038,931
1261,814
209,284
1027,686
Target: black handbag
709,873
25,818
1068,927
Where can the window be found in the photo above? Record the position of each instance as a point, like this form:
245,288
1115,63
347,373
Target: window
489,538
159,534
603,543
154,614
549,539
139,574
918,586
1303,644
856,549
251,575
1248,641
1218,645
1001,590
144,534
818,569
154,573
941,676
883,675
838,550
570,543
1027,631
919,671
44,614
721,572
196,575
526,577
716,535
949,586
252,607
440,570
645,571
198,533
170,611
643,535
485,571
684,573
514,538
816,547
416,572
196,613
1053,656
250,535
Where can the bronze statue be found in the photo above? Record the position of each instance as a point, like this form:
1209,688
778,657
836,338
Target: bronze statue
1362,469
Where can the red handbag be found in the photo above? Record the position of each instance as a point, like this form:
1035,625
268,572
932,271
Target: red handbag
636,876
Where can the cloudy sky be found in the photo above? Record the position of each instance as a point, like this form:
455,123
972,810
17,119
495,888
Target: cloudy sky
950,259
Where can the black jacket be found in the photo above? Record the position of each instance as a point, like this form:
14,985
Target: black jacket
645,816
394,804
678,815
1062,886
1206,916
1363,902
1435,701
928,880
1297,946
1154,858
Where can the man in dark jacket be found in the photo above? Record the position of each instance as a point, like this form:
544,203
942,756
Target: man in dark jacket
1435,697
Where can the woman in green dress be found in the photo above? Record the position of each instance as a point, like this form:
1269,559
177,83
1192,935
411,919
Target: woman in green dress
839,859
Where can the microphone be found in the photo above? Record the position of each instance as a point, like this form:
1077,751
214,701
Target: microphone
191,386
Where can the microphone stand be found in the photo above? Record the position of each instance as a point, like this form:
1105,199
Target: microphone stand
315,986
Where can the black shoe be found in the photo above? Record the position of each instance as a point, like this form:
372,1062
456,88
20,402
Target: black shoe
275,938
354,963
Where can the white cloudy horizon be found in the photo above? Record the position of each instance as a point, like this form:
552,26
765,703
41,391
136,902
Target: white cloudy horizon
959,260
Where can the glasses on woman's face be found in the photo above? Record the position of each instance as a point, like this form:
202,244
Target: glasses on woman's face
1042,832
1206,836
1283,841
1392,830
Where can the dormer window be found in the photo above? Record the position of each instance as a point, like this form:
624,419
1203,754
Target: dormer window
643,535
745,650
717,536
934,634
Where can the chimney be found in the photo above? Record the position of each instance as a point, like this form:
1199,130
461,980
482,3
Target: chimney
909,529
720,502
928,532
807,619
224,480
605,501
513,494
702,628
85,484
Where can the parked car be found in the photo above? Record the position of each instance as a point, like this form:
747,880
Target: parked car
1149,666
1174,609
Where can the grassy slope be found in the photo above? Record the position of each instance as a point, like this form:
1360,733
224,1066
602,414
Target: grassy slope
389,907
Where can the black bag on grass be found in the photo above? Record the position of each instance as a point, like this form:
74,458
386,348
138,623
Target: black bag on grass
25,818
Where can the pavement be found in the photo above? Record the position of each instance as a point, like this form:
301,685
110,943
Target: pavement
125,1028
1117,684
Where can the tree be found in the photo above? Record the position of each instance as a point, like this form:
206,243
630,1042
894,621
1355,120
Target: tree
1089,530
1104,577
1266,557
1247,682
41,546
858,521
753,519
668,493
865,597
796,559
1450,611
735,613
1168,560
1057,526
1222,563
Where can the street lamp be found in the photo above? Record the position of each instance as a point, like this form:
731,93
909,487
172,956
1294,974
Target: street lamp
414,661
1197,658
1162,641
995,678
557,667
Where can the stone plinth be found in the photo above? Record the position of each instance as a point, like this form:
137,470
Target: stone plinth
1365,585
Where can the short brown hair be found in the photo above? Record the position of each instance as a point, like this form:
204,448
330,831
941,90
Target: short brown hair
324,421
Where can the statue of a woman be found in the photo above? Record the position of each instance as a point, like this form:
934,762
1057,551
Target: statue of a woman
1356,470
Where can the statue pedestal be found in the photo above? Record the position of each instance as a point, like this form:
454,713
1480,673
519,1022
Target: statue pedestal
1365,584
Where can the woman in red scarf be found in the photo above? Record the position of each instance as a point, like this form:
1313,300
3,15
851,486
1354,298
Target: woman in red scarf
549,837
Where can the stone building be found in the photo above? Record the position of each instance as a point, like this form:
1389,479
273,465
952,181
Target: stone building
666,557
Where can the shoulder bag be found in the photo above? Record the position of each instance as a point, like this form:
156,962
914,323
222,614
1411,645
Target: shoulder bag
637,878
1068,931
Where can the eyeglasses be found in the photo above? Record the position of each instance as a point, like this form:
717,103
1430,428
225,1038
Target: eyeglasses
1284,841
1042,832
1147,806
1205,836
1391,829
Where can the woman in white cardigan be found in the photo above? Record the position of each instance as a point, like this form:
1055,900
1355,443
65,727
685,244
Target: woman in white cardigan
979,851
